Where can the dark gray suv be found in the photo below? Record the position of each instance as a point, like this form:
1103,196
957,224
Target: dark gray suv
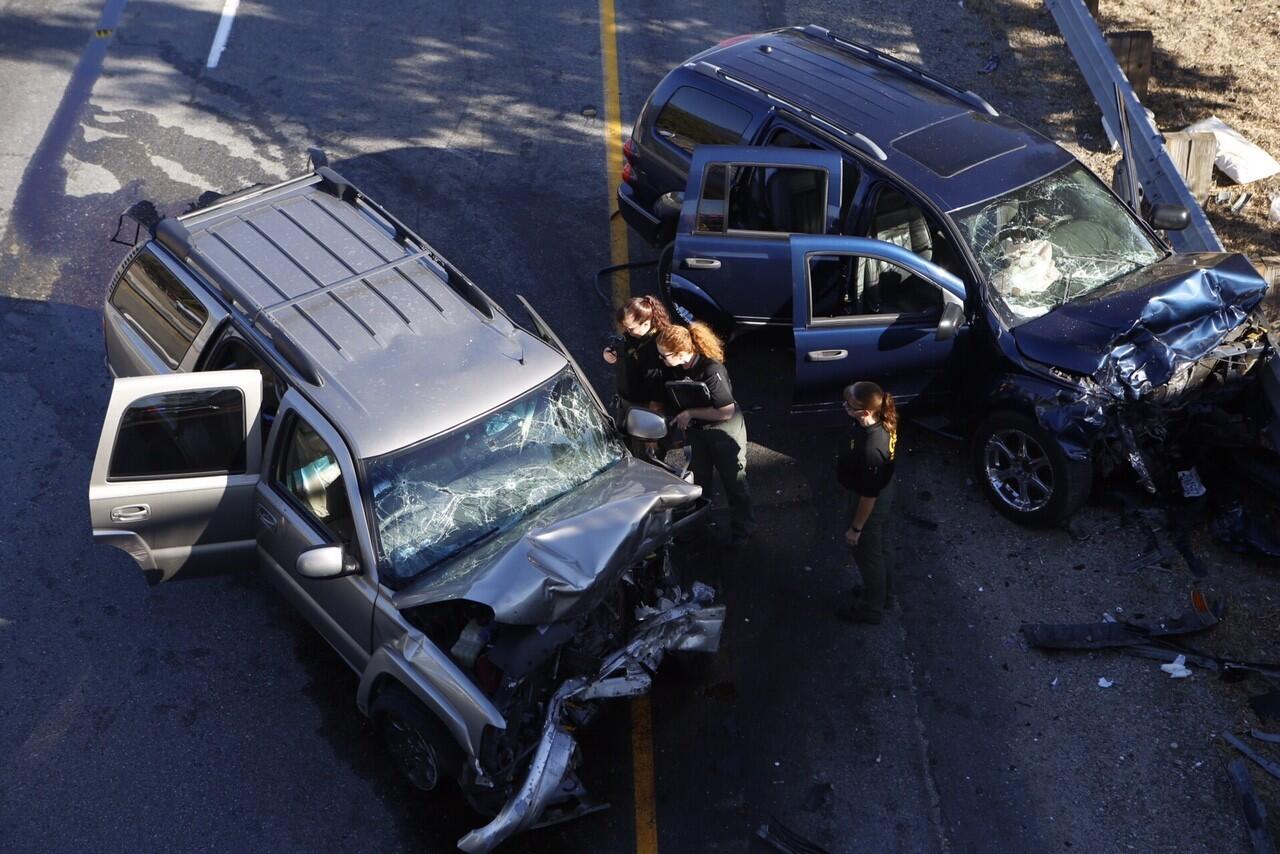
304,384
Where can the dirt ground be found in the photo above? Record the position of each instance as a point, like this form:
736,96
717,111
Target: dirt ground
1209,58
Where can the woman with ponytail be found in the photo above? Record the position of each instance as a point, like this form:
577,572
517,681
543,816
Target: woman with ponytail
716,433
640,373
865,468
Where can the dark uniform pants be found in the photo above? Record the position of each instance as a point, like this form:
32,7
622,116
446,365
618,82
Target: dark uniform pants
873,551
722,449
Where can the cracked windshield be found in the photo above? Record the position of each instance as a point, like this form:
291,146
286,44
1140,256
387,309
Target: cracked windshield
433,500
1053,241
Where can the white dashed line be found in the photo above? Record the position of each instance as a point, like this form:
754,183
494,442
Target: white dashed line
229,8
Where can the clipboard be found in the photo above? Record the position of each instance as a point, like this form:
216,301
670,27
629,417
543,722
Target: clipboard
687,394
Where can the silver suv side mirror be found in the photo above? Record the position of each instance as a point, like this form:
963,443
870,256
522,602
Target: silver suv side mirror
645,424
325,562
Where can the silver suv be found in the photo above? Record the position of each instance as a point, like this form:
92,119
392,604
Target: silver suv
303,383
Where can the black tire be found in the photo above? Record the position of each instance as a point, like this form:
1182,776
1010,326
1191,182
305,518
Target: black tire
1025,473
421,748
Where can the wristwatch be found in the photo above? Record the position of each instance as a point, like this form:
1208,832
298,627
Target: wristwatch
855,530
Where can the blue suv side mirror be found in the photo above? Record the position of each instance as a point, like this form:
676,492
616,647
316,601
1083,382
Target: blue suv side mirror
1168,217
952,318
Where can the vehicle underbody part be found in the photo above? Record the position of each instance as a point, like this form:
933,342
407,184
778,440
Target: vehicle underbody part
681,622
1238,531
1200,616
1255,813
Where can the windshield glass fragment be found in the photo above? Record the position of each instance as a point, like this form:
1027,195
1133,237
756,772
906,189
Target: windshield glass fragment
433,500
1053,241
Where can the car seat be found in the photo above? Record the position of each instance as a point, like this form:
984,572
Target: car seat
796,203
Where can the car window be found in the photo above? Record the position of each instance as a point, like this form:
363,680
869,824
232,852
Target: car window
181,434
781,199
849,172
898,220
159,307
843,286
693,117
232,354
307,470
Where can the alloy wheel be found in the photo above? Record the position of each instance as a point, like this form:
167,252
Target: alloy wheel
413,754
1018,469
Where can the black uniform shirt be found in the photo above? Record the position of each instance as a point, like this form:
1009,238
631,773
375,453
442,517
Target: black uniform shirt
716,377
641,373
866,461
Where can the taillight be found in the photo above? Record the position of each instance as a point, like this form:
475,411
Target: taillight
628,174
735,39
629,149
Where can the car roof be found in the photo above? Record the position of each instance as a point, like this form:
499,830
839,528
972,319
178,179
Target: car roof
393,343
947,142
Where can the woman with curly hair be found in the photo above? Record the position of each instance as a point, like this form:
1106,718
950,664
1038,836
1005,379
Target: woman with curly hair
716,433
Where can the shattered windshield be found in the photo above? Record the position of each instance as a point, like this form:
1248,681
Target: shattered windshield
1053,241
433,500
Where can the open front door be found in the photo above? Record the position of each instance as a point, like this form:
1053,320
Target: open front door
731,255
871,310
176,468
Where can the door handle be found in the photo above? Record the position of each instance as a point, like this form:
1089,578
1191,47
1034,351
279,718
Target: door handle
826,355
131,513
702,263
266,517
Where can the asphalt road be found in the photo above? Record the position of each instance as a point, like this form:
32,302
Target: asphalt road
206,715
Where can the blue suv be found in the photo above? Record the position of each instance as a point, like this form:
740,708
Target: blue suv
904,231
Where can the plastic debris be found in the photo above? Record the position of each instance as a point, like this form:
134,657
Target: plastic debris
992,63
1273,215
1255,813
1238,158
1104,682
1177,668
1244,199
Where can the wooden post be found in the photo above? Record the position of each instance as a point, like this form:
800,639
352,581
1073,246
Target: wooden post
1132,49
1193,155
1269,268
1092,6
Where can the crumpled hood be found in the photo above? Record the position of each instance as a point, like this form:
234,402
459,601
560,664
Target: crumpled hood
1134,334
560,560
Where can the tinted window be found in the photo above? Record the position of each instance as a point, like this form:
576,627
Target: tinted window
711,202
783,199
693,117
181,433
852,286
157,305
308,471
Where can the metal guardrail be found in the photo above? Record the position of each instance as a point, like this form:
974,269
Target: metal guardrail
1160,180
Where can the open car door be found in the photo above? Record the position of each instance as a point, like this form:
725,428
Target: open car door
871,310
177,464
731,255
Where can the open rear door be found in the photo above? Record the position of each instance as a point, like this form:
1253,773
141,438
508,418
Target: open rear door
176,468
742,203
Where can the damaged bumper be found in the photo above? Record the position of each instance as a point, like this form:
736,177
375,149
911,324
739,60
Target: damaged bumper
693,625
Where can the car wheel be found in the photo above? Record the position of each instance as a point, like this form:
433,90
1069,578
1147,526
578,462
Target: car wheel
1025,473
420,746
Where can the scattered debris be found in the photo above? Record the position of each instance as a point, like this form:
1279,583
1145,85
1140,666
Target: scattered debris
1104,682
1177,668
1199,617
1266,706
1273,213
1238,158
786,840
1235,529
1244,199
1255,814
1269,737
992,63
1268,765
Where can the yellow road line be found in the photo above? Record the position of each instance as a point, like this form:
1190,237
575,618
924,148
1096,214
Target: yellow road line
642,770
641,712
613,147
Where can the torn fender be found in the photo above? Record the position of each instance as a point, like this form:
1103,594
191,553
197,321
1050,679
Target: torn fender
628,672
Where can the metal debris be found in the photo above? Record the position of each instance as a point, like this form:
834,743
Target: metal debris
1269,737
1268,765
1255,814
786,840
